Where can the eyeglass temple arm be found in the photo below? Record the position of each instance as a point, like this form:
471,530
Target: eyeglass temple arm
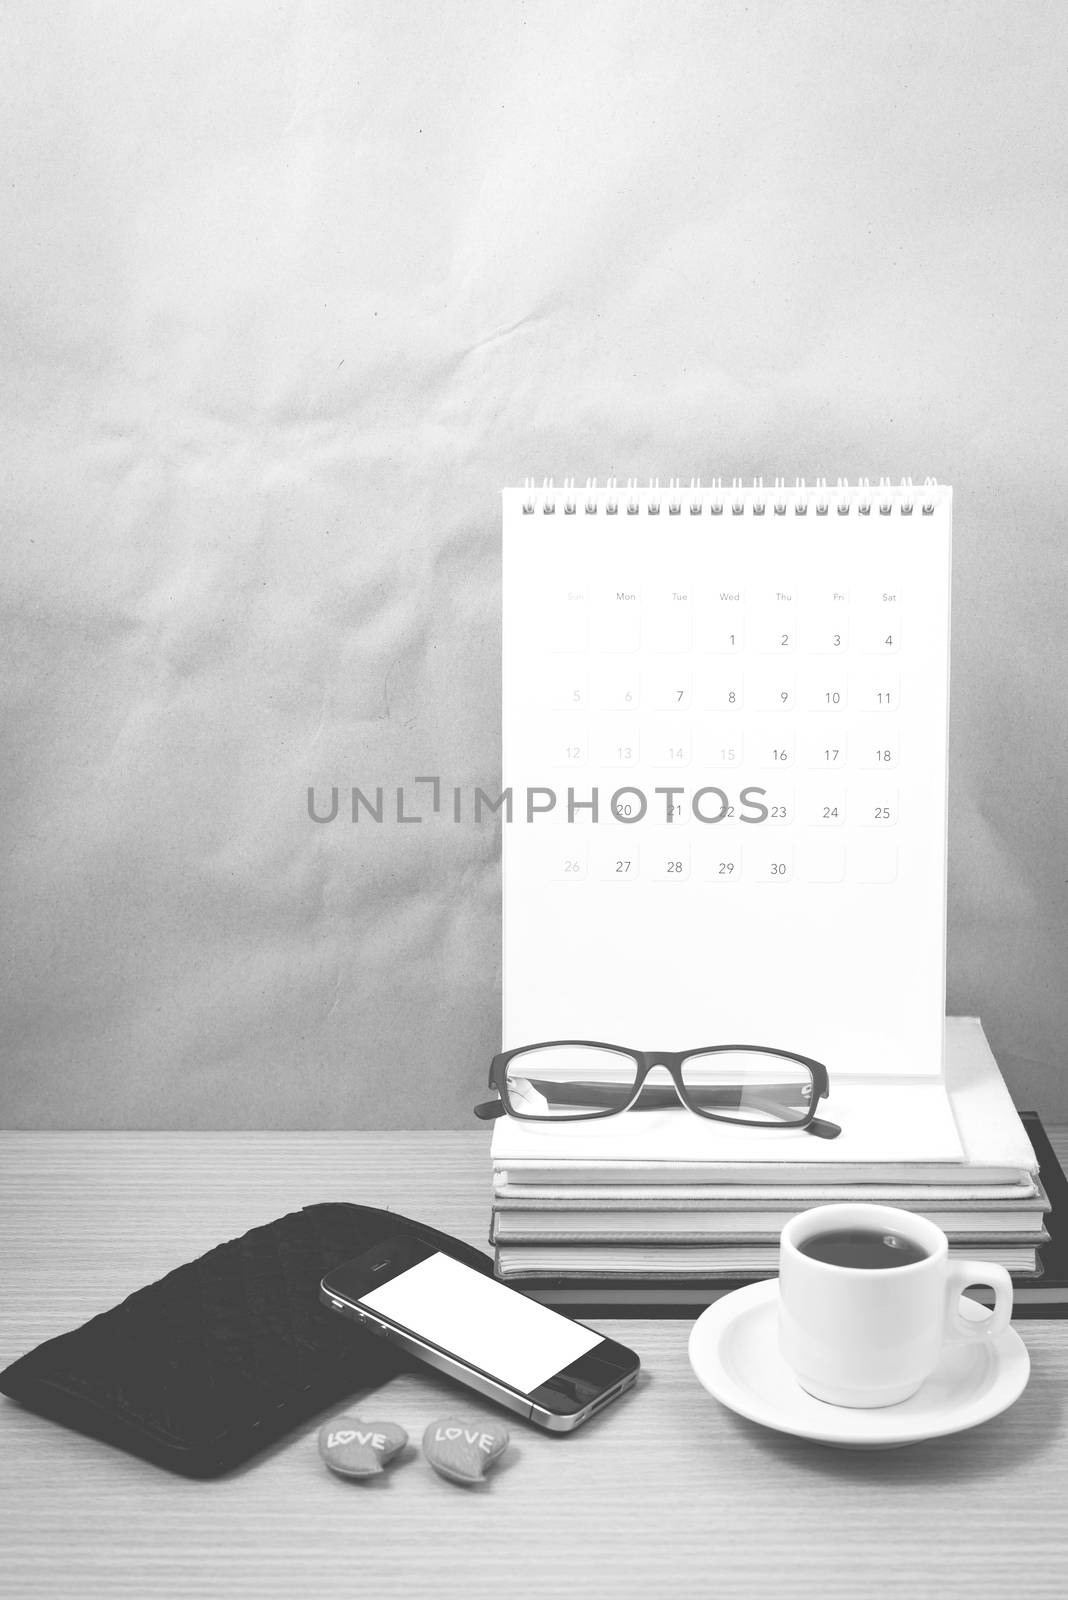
823,1129
652,1097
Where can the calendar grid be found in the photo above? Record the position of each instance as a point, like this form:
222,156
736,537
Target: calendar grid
765,688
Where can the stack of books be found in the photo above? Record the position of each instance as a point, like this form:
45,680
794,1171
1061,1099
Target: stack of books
664,1207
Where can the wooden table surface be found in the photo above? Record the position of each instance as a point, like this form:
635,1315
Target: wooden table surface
666,1493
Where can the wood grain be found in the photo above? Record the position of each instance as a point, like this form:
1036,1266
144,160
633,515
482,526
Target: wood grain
666,1493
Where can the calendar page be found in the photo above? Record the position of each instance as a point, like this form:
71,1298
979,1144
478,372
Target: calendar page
725,722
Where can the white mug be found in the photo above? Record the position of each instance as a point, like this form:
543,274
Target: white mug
858,1336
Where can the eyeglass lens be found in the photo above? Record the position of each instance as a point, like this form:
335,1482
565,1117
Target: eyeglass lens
570,1080
748,1085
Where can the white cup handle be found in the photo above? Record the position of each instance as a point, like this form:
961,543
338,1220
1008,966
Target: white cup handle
960,1276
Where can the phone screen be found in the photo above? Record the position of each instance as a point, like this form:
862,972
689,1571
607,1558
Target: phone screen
486,1324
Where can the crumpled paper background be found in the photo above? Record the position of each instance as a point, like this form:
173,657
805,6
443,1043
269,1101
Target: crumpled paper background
290,292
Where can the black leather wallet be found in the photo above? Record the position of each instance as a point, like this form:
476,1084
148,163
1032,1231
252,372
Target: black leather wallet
226,1354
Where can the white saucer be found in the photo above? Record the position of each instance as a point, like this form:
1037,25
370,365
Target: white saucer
734,1350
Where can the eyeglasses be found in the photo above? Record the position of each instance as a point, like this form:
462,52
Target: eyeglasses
573,1080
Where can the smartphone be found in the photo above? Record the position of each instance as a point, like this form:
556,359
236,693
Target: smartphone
516,1351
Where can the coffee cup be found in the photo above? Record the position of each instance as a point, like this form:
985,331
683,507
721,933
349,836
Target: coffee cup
868,1297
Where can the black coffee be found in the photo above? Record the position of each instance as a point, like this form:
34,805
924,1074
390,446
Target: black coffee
862,1247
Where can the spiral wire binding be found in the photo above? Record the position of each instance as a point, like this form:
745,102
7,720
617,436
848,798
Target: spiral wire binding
845,498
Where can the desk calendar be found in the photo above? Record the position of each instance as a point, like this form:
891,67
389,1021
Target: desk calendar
725,722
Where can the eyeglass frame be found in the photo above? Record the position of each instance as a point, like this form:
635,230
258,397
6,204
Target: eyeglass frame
671,1060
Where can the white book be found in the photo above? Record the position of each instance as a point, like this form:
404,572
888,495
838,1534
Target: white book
686,1261
966,1130
711,1196
562,1226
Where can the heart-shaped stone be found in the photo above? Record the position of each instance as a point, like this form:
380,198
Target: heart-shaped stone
358,1449
463,1451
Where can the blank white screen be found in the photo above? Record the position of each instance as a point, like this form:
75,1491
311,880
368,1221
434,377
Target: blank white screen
479,1320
